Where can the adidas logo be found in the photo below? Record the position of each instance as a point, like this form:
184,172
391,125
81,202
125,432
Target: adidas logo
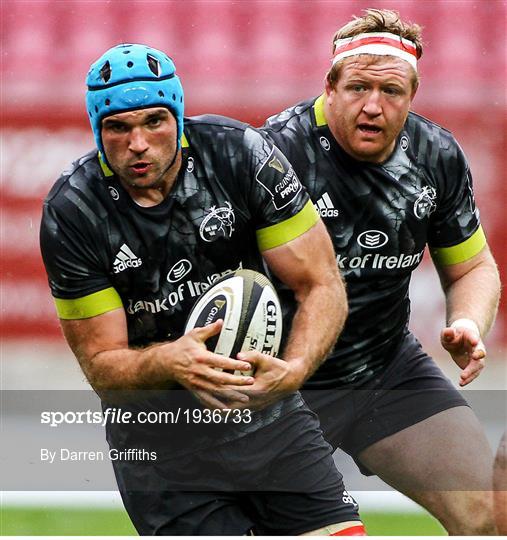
125,258
325,207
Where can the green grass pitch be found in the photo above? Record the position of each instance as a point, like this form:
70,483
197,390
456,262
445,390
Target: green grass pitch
86,522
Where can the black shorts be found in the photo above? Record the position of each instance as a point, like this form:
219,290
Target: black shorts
279,480
411,389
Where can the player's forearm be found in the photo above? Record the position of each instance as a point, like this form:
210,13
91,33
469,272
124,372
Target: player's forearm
319,320
127,369
475,296
100,345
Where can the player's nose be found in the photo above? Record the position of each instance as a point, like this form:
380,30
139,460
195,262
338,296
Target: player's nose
372,105
137,141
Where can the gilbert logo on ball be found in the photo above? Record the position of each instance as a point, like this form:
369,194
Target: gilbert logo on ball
249,306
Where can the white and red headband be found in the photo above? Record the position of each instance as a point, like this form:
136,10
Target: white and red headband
376,43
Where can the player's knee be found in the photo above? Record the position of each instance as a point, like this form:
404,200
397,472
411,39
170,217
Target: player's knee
500,487
477,521
477,527
500,476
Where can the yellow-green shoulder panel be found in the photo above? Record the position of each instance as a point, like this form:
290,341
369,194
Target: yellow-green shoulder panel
285,231
460,252
318,111
88,306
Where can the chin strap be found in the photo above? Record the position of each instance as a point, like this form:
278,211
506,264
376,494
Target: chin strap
175,155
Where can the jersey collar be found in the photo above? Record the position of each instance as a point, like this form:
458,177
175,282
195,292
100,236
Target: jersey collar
318,112
105,169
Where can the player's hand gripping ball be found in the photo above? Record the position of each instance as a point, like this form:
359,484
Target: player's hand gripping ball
249,306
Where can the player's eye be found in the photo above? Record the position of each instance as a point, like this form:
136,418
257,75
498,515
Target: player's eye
391,91
116,127
154,121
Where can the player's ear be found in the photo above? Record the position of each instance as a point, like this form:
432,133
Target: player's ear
415,86
327,84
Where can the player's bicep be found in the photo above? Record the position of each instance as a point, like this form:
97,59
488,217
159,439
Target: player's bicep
459,252
453,262
91,336
450,273
285,231
304,261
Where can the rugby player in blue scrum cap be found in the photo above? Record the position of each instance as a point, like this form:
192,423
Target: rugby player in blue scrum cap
130,236
387,183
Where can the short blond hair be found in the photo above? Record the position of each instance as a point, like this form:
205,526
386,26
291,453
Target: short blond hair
376,20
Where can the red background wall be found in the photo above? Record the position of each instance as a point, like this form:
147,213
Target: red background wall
247,59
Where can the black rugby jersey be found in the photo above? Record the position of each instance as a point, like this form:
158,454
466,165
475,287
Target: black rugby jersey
235,195
380,218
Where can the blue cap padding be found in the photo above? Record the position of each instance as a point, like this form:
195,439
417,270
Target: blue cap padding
129,77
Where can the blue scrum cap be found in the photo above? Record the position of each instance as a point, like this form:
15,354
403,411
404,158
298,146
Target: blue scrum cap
129,77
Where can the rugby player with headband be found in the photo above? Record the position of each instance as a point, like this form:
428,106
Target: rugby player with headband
130,236
388,183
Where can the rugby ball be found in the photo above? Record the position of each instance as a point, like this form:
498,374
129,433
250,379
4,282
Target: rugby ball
249,306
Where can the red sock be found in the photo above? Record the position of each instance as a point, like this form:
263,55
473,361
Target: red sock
356,530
